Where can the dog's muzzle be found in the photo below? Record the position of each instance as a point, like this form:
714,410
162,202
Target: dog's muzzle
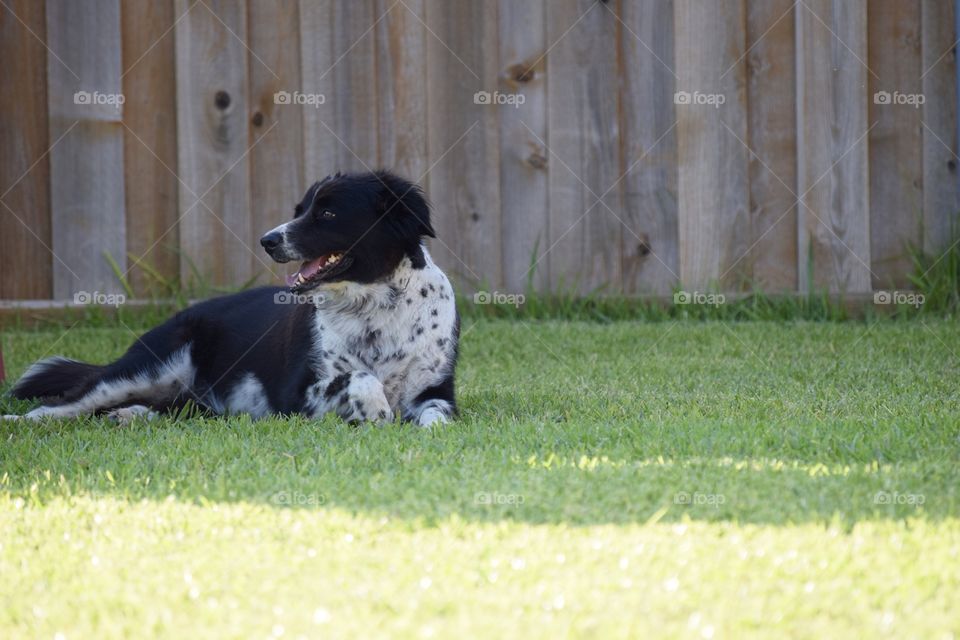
272,243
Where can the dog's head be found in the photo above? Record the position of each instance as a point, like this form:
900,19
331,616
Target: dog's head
352,228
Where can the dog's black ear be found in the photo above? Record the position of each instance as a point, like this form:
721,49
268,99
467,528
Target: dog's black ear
406,207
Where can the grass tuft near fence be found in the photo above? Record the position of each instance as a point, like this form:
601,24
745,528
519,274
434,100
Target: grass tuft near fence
936,294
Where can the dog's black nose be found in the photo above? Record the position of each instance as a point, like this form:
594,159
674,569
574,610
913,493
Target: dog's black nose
272,240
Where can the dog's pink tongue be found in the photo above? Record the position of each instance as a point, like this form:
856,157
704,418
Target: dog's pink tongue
307,270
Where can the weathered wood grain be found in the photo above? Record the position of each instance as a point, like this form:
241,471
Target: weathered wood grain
686,204
402,87
584,150
895,142
150,143
276,161
834,217
26,261
941,181
523,131
463,139
213,142
339,63
86,166
713,161
650,250
320,147
772,107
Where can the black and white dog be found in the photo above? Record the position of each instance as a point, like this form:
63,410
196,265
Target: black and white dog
367,328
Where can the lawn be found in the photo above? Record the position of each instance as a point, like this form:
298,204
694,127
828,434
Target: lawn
698,479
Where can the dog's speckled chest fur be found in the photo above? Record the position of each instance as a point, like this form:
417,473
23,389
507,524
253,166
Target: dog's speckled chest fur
403,331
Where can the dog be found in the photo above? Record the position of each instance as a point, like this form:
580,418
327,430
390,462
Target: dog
367,328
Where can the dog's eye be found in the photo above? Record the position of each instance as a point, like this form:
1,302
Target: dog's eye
329,215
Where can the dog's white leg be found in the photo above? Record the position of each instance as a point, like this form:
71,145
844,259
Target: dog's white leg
156,387
61,411
102,396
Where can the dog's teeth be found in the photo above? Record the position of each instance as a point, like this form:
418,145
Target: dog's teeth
300,279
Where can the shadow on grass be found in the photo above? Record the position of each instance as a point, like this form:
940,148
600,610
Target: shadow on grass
552,472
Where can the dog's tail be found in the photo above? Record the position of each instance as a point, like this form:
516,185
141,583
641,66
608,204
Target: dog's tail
57,378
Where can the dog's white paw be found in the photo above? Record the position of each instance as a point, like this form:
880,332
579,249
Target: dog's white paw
126,415
367,403
11,417
432,416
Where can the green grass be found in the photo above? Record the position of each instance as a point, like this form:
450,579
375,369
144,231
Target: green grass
821,460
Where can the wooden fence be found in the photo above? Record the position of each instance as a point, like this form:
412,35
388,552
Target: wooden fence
631,144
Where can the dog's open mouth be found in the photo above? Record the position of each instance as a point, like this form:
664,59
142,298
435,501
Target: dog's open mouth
313,272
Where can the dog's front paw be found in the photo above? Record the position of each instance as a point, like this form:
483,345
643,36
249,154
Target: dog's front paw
366,401
379,413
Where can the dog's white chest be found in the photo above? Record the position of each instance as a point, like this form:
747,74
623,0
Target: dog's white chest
404,335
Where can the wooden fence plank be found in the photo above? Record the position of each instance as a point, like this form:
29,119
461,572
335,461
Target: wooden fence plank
26,262
212,140
402,86
276,162
338,43
320,147
150,142
584,153
464,139
771,96
523,157
941,188
896,146
713,161
86,166
834,218
355,88
651,257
